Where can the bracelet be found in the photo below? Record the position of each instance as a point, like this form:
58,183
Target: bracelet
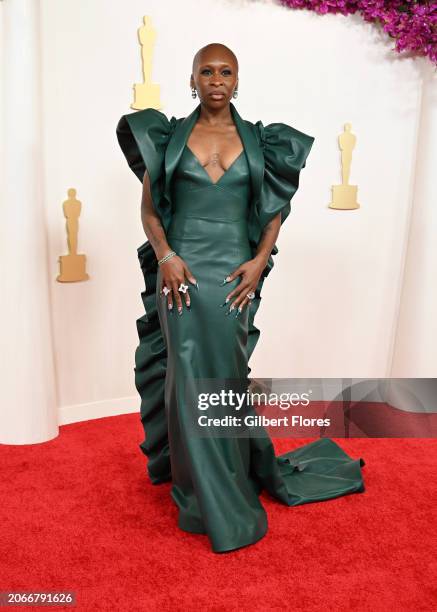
168,256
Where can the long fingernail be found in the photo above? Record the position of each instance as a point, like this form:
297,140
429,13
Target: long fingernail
197,286
188,307
225,280
180,311
225,302
237,313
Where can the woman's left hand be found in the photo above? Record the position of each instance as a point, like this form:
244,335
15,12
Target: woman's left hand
250,272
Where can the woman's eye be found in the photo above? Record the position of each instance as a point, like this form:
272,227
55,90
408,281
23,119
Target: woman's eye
226,71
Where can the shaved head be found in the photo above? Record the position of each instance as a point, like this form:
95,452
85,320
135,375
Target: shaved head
214,49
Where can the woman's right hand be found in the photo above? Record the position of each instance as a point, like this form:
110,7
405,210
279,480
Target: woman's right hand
174,272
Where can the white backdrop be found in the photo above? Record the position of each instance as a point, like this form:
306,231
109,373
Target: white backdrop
351,293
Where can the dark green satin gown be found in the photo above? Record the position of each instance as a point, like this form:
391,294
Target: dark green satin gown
214,227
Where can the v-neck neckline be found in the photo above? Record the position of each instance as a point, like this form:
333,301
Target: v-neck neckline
250,140
207,173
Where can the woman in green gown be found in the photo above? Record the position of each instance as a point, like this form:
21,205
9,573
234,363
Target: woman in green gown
216,189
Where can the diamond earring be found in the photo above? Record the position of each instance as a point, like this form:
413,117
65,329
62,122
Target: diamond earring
235,94
193,92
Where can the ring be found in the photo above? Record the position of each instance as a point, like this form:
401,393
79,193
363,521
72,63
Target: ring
166,290
251,295
183,288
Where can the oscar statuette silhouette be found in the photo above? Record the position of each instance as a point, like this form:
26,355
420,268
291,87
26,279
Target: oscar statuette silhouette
344,196
73,265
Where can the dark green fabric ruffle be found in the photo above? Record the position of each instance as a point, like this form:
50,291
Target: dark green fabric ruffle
285,151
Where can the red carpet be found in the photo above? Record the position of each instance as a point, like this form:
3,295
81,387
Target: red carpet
78,513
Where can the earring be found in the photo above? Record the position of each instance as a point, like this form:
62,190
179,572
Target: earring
235,94
193,92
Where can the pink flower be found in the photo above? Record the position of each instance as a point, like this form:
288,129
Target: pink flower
411,23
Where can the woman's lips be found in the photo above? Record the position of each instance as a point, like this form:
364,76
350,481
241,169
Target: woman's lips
217,96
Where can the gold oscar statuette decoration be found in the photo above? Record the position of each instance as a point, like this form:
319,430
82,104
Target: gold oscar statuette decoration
146,94
72,265
344,196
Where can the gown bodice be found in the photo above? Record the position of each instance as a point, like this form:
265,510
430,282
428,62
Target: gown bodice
194,194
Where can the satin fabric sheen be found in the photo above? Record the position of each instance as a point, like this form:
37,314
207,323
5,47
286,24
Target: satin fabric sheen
216,480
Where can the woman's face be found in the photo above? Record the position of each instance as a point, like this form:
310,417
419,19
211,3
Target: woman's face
215,77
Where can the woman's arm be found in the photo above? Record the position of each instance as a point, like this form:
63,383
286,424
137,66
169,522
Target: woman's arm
152,223
268,240
250,271
173,270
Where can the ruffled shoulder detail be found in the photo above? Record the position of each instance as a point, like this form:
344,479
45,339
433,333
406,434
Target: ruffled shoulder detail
285,152
143,137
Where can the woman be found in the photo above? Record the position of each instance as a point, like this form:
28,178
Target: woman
216,189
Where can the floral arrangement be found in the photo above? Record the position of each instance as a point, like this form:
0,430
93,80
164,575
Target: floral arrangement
411,23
